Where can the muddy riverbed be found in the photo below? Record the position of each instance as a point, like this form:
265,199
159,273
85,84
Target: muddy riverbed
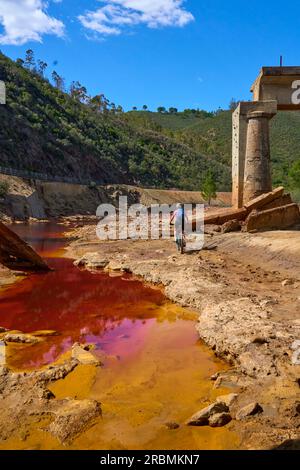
115,364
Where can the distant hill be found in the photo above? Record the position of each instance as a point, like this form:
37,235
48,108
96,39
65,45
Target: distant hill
46,130
211,134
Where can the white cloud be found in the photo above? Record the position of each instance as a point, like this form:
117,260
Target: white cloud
26,20
117,15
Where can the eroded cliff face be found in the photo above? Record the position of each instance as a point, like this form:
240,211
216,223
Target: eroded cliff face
42,200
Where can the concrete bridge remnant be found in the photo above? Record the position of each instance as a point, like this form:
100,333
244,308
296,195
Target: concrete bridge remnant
274,90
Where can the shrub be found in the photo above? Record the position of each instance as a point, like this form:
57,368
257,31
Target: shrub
4,188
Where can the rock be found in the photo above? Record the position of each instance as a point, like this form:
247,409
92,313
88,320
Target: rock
45,333
114,266
92,261
228,399
219,419
3,330
74,418
230,328
172,426
210,247
20,338
250,410
89,347
231,226
287,282
202,417
83,356
268,303
214,377
53,373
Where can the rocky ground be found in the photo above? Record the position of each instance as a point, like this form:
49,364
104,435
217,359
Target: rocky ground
27,403
8,277
246,290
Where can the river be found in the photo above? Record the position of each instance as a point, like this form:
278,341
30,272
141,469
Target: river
155,370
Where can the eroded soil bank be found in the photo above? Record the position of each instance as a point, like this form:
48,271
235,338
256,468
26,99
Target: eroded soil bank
246,293
99,360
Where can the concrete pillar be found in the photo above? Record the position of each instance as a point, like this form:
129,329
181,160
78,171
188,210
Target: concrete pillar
239,137
257,175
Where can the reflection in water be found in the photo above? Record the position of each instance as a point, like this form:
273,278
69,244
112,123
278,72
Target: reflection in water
155,370
79,305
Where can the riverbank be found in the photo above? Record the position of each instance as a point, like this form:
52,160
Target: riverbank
246,292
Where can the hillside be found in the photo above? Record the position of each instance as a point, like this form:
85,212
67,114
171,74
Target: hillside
210,135
46,130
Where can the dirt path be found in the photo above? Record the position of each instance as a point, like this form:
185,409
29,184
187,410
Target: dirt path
247,295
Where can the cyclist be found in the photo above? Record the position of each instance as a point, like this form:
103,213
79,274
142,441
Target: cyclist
180,219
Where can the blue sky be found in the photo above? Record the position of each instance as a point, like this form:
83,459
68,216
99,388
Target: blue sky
191,53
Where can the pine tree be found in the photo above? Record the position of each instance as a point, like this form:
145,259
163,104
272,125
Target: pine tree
59,82
29,59
209,189
41,67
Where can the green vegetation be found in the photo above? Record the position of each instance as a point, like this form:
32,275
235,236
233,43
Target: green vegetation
44,129
209,188
294,178
4,188
209,134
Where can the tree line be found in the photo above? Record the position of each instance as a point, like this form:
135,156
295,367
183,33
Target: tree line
76,90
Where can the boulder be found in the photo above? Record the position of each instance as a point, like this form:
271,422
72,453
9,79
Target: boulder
92,261
74,418
83,356
202,417
172,426
20,338
231,226
250,410
261,201
278,218
227,399
287,282
219,419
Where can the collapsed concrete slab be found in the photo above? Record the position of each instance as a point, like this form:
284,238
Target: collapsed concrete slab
225,216
264,199
272,219
17,254
284,200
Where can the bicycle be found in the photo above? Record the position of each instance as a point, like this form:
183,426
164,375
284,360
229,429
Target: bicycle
181,244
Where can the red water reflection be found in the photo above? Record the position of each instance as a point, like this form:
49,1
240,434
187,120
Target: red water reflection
112,312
